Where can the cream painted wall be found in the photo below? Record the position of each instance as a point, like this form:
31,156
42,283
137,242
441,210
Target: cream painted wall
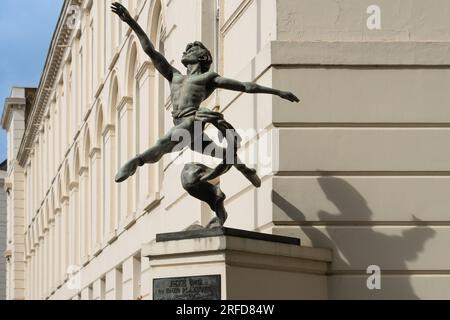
345,20
3,230
360,166
363,157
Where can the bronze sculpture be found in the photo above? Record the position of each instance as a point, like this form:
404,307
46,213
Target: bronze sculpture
187,93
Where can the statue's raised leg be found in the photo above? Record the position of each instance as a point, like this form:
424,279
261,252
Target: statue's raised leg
164,146
204,191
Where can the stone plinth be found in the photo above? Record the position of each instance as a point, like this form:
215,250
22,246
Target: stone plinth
231,264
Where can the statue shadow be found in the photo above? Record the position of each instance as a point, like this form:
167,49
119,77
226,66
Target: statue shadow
367,245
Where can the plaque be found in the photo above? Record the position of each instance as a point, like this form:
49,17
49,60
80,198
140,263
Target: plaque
188,288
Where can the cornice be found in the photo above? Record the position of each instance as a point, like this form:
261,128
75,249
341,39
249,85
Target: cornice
58,46
10,104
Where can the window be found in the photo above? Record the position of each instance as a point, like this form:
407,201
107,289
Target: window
105,33
80,100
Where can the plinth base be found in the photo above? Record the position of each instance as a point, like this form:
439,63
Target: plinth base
230,264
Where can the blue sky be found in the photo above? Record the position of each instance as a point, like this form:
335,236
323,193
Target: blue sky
26,29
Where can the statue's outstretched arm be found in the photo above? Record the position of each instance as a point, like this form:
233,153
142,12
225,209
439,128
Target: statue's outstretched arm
250,87
160,62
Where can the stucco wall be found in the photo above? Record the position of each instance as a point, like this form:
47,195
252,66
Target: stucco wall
2,236
360,165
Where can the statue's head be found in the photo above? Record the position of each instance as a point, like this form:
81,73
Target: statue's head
197,52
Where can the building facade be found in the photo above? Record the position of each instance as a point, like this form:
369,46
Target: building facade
3,169
361,166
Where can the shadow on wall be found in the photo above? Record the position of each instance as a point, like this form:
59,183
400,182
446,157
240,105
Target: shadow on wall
364,247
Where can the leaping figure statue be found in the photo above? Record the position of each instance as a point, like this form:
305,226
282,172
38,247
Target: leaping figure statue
187,93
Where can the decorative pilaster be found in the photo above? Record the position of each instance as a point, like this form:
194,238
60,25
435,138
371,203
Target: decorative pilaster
64,236
86,294
146,135
113,285
84,215
44,266
74,225
98,290
126,194
51,267
96,202
58,249
109,201
131,278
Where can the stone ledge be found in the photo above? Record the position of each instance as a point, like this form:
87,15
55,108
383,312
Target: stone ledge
216,232
219,240
249,265
359,53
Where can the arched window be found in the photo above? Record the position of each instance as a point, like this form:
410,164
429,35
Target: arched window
60,124
76,212
96,172
110,162
54,132
85,181
52,239
154,102
105,14
132,131
126,147
58,233
115,31
47,244
68,105
65,218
